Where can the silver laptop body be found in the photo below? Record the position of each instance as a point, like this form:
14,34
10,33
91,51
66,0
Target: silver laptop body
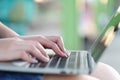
79,62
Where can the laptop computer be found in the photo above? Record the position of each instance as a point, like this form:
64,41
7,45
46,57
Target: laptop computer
79,62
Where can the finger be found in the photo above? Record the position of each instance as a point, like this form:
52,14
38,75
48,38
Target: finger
27,57
33,50
59,41
57,50
49,44
41,48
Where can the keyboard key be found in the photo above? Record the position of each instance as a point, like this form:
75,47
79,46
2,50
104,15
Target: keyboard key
43,64
78,60
62,62
32,65
54,61
72,58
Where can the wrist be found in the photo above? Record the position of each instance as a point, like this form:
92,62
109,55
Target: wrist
6,32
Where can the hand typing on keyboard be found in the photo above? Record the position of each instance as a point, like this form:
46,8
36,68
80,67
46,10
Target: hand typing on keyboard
26,47
55,43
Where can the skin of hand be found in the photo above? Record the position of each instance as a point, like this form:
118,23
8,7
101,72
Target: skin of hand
52,42
38,42
26,47
6,32
15,48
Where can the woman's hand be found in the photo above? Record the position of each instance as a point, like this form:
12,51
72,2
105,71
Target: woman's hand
26,47
15,48
52,42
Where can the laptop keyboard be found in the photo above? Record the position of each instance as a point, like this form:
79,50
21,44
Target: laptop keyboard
75,60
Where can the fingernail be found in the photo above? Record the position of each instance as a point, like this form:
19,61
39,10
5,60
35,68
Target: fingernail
64,54
46,59
67,53
35,61
46,55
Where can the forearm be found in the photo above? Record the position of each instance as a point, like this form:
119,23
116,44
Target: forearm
6,32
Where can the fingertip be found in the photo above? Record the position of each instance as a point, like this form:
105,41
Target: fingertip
67,53
46,55
34,60
64,55
46,59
